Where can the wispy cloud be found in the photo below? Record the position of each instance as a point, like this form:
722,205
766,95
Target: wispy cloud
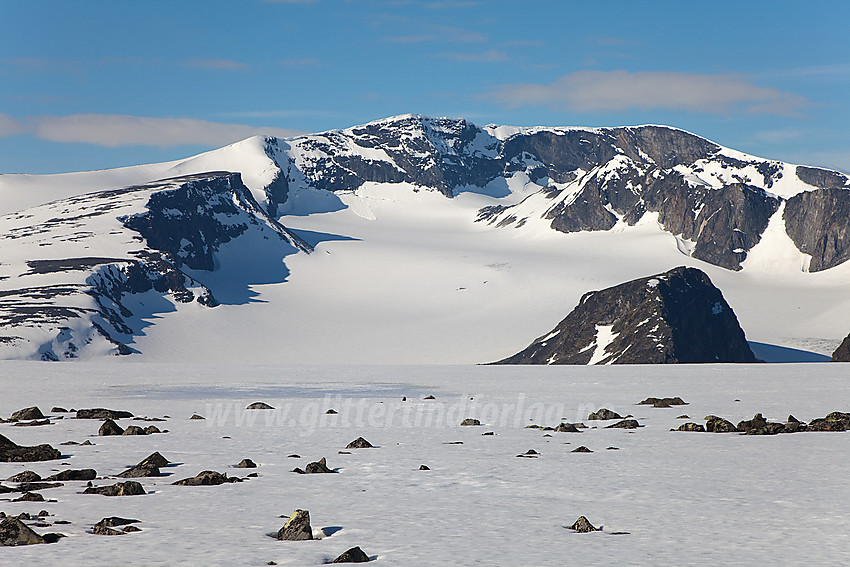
303,62
605,91
489,56
442,34
115,130
10,126
215,64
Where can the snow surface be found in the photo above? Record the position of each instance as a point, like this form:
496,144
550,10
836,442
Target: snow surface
684,498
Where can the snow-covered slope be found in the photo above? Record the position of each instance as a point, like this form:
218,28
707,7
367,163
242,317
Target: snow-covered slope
442,241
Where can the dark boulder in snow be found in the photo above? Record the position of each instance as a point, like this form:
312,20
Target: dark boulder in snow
359,443
470,421
259,405
583,526
207,478
74,474
129,488
106,526
835,421
26,476
353,555
691,427
581,449
714,424
624,424
11,452
663,402
674,317
567,428
109,427
604,414
15,532
27,414
101,413
246,464
297,527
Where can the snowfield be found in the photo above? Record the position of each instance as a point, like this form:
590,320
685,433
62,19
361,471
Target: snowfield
683,498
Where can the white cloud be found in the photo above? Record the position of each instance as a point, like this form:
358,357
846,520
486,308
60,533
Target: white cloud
10,126
600,91
114,130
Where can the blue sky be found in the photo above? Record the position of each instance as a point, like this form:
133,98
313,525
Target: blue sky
96,84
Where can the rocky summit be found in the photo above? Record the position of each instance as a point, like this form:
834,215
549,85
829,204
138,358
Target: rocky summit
674,317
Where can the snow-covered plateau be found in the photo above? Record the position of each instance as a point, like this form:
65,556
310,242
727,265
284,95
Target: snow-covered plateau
662,497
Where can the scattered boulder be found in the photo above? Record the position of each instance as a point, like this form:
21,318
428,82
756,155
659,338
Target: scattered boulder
624,424
429,397
758,425
106,525
15,532
424,468
26,476
489,433
604,414
353,555
359,443
33,423
663,402
33,486
714,424
57,409
246,464
196,416
567,428
331,412
27,414
151,429
259,405
74,474
581,449
154,459
297,527
11,452
470,421
320,466
583,526
691,427
134,430
140,471
293,456
207,478
109,427
101,413
683,416
30,497
128,488
5,490
835,421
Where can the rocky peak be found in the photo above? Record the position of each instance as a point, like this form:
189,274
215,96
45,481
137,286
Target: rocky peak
674,317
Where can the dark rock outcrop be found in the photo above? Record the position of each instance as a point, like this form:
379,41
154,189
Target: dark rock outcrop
128,488
691,427
154,459
15,532
674,317
714,424
259,405
320,466
101,413
353,555
829,211
581,449
74,474
26,476
582,525
246,464
297,527
663,402
842,353
207,478
835,421
624,424
359,443
566,428
470,421
109,427
10,452
603,414
106,526
27,414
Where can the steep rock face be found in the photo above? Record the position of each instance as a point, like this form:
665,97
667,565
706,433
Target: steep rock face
72,305
718,200
675,317
842,353
819,224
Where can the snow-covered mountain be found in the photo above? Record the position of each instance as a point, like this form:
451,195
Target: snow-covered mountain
438,241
